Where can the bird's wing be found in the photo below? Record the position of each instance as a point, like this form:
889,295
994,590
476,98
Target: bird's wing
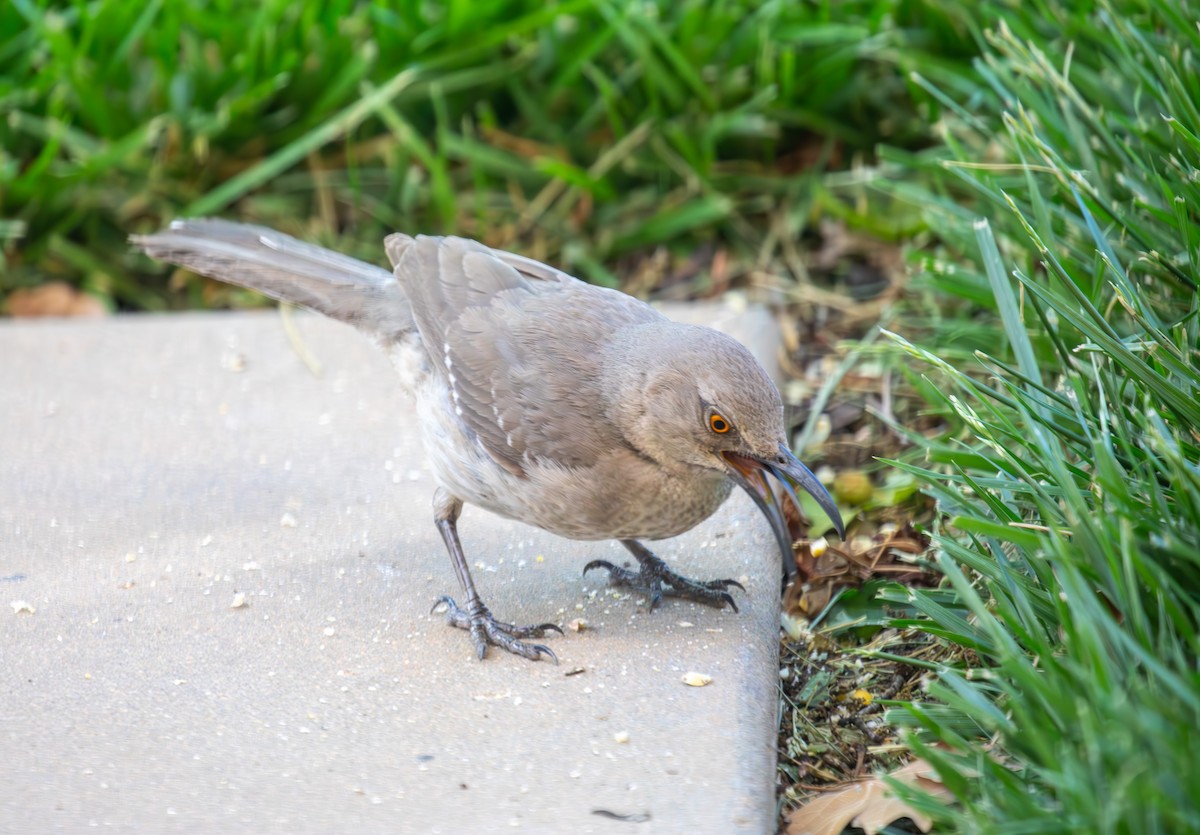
398,243
517,343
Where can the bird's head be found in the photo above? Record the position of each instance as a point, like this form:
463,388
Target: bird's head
700,400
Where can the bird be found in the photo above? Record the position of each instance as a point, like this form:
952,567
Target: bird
541,398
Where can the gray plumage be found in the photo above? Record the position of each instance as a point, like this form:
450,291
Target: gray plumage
541,398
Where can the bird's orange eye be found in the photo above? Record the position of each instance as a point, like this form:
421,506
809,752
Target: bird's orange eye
718,424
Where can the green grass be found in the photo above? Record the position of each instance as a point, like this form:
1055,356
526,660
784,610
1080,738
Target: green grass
583,131
1068,477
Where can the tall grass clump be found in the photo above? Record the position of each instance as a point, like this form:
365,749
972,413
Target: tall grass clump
1070,479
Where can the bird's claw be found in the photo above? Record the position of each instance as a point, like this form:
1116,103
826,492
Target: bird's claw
656,580
486,630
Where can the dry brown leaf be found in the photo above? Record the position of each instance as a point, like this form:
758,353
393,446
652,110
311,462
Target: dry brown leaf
824,567
54,298
869,805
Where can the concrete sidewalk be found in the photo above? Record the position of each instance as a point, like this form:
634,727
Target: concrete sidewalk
156,471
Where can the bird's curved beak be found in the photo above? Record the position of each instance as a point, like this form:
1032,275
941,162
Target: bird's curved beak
750,473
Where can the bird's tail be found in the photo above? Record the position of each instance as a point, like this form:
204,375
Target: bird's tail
284,268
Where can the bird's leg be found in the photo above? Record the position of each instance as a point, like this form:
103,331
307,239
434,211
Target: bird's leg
656,580
476,618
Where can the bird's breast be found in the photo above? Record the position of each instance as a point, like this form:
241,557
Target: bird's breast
621,496
613,500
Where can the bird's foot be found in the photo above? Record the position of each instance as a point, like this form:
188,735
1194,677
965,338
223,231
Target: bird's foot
485,629
656,580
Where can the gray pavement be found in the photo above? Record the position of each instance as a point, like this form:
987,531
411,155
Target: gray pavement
231,563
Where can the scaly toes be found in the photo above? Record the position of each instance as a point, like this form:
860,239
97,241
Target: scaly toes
613,570
711,593
656,580
644,582
503,635
486,630
533,652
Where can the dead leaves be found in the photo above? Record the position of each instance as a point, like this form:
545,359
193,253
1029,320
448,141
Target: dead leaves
869,805
824,567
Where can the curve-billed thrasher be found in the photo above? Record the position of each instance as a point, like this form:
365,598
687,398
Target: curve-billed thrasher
570,407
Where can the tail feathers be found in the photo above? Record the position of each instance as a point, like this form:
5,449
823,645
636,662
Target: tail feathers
284,268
